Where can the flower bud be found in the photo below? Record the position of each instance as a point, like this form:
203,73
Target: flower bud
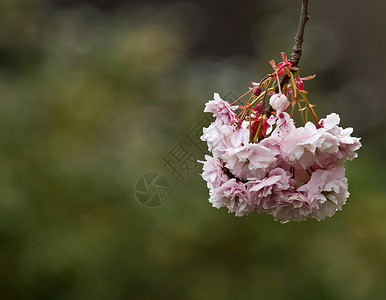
279,102
283,65
257,91
260,107
299,83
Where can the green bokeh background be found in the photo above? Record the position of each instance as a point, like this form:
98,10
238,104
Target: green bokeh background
92,96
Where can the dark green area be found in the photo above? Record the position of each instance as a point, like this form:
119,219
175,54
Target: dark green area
90,101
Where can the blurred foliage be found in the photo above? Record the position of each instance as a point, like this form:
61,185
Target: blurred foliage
90,100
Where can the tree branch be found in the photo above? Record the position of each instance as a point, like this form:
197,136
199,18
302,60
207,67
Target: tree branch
297,49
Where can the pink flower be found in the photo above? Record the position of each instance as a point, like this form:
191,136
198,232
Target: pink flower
265,192
284,125
222,110
249,161
279,102
234,196
346,143
327,190
292,206
273,143
213,172
330,122
305,145
300,146
291,173
222,138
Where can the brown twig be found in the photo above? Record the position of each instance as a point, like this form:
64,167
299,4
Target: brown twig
297,49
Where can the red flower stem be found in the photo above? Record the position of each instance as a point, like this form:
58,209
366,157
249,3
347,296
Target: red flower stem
277,76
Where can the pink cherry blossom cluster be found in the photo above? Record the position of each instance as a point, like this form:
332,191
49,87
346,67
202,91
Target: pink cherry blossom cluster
292,173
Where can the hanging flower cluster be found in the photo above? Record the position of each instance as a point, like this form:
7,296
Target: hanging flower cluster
262,162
